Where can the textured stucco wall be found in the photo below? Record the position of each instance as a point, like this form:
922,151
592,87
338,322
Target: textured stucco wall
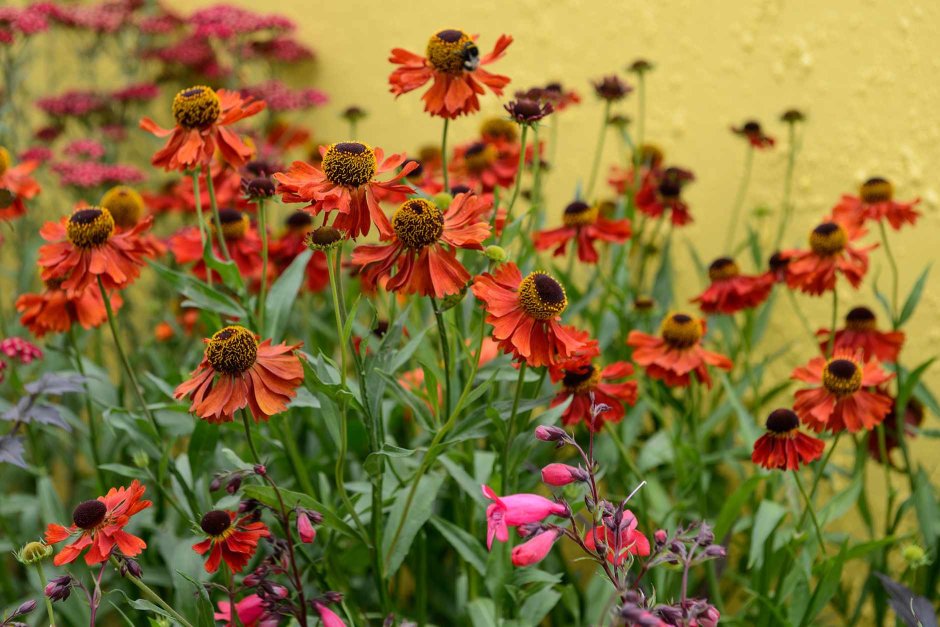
865,71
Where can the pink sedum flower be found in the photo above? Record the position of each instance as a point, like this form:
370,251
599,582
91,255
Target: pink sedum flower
514,510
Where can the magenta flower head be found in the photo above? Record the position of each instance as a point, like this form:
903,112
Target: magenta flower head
305,528
534,550
328,616
562,474
514,510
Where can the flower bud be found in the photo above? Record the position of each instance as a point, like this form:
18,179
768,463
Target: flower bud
141,459
496,253
132,567
59,588
562,474
547,433
660,537
25,608
323,238
715,551
534,550
442,200
34,552
305,528
260,470
215,484
914,555
235,482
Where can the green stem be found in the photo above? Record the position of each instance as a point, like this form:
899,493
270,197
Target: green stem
802,317
892,262
819,473
43,582
598,153
739,199
92,422
809,508
153,597
263,228
445,354
510,426
835,317
517,185
444,155
215,215
785,208
197,200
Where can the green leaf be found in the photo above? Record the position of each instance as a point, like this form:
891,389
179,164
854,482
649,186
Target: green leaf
536,607
266,495
202,445
841,502
928,512
372,464
482,613
469,548
769,515
199,294
282,295
910,381
396,547
910,303
125,471
731,510
231,275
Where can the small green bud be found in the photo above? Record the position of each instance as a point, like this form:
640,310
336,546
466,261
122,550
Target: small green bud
141,459
442,200
914,555
496,253
33,552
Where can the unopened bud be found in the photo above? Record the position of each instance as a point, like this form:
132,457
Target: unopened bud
141,459
34,552
260,470
215,484
660,537
914,555
236,482
547,433
496,253
562,474
25,608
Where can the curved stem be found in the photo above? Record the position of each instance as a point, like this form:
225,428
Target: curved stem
598,152
444,155
152,596
215,215
812,513
262,293
739,199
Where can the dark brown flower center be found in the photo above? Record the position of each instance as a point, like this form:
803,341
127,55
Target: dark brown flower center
479,156
298,221
828,239
196,107
417,173
876,189
541,296
89,514
782,421
860,319
234,223
777,262
582,379
90,228
580,213
752,127
349,163
723,268
842,377
671,184
453,52
681,331
232,350
418,223
323,238
499,128
216,522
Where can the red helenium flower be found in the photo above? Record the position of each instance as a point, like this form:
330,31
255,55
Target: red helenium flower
662,190
814,271
99,525
55,310
588,385
454,65
424,246
232,540
291,243
784,446
730,291
677,352
875,201
16,185
860,333
584,224
839,399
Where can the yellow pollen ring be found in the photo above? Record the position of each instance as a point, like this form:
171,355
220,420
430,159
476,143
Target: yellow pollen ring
681,331
541,296
418,223
196,107
842,377
349,163
90,227
828,239
232,350
451,51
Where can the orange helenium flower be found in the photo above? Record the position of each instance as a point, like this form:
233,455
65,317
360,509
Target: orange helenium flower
861,333
15,185
485,164
55,310
453,63
784,446
839,400
99,525
584,224
677,352
85,247
241,240
234,541
345,183
525,314
875,201
730,291
237,372
202,120
424,247
814,271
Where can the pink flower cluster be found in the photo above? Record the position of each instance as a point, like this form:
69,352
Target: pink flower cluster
19,349
138,92
26,22
280,97
224,21
88,148
92,173
36,153
74,103
105,17
160,24
282,49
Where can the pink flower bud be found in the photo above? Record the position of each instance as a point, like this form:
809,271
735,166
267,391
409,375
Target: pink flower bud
328,616
660,536
305,529
562,474
548,433
534,550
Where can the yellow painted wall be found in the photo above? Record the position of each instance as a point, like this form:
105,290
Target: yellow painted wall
866,72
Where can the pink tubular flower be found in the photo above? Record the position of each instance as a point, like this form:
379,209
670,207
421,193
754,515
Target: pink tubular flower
305,528
561,474
630,541
534,550
514,510
249,610
328,616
